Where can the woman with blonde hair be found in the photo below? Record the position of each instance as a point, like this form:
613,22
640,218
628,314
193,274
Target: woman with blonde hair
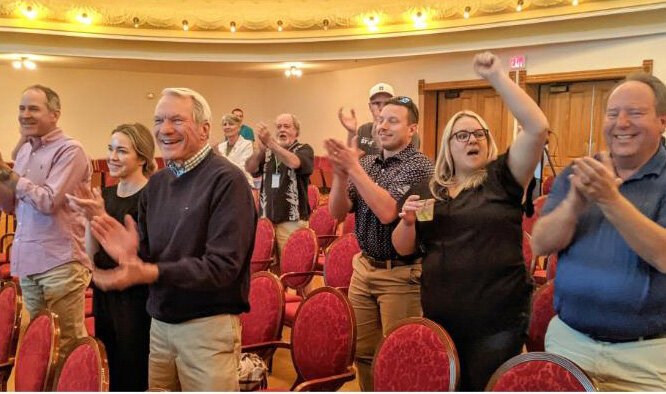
235,148
474,280
121,320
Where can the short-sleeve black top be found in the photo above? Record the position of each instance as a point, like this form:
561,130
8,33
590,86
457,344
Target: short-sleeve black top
474,278
116,207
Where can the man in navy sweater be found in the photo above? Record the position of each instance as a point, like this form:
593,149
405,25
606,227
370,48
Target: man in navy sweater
193,246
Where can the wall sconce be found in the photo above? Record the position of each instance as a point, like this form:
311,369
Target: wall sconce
232,27
466,14
186,25
29,12
84,18
519,6
279,26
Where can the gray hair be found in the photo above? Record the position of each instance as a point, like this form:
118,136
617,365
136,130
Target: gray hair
201,110
52,98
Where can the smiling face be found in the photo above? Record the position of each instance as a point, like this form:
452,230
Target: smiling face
632,127
393,128
178,135
123,159
286,132
471,155
230,129
35,118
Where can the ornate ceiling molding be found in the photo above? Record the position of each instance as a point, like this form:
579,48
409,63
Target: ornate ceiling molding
256,20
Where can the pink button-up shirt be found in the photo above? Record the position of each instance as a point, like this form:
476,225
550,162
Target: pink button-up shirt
48,232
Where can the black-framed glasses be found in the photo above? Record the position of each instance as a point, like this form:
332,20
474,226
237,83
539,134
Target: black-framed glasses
463,135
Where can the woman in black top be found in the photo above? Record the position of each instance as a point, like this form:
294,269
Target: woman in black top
474,280
121,320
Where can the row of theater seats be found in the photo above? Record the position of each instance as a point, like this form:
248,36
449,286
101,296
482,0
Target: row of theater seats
38,364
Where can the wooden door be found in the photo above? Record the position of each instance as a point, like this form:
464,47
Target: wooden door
576,113
486,102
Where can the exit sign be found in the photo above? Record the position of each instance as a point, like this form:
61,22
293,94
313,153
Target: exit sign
517,62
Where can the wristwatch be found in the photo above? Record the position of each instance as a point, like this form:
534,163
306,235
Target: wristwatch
5,174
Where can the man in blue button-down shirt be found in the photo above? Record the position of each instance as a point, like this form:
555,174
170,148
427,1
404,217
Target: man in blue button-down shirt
606,217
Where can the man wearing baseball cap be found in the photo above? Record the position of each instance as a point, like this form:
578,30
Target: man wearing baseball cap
379,95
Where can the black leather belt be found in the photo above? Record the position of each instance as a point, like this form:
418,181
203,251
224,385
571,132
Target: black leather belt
625,340
386,264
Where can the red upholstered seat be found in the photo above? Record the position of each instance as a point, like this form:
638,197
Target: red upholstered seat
299,255
264,321
547,184
296,263
313,197
90,325
84,368
528,222
5,271
38,353
530,262
542,312
349,225
416,355
539,371
325,226
10,324
264,246
5,252
88,306
338,268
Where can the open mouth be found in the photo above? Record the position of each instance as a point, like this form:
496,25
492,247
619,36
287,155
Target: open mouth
169,142
473,152
624,137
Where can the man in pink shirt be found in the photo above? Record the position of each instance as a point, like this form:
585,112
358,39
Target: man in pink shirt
48,253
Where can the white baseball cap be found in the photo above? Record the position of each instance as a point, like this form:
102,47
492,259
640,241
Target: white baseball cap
381,88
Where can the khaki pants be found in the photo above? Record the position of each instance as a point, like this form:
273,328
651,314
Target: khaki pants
62,290
196,355
629,366
282,233
380,298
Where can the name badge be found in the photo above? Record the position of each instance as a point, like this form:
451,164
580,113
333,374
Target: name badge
275,181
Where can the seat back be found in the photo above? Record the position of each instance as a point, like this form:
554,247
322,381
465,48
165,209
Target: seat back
542,312
323,338
322,222
528,222
539,371
416,354
11,306
263,322
299,255
349,225
338,267
38,353
264,240
83,368
547,184
527,254
313,197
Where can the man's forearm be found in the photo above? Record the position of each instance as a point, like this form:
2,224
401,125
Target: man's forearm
380,201
554,231
338,201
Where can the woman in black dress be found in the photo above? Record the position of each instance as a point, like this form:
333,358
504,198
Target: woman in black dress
121,320
474,280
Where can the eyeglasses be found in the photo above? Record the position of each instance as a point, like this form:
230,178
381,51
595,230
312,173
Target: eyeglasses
463,135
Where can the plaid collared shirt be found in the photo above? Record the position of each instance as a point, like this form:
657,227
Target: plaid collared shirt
180,169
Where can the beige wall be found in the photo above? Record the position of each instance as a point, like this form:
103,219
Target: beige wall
94,101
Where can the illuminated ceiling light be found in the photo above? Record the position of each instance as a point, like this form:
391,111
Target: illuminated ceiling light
467,11
136,22
293,71
574,2
186,25
24,63
29,12
519,6
279,26
84,18
372,22
419,20
232,27
326,24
